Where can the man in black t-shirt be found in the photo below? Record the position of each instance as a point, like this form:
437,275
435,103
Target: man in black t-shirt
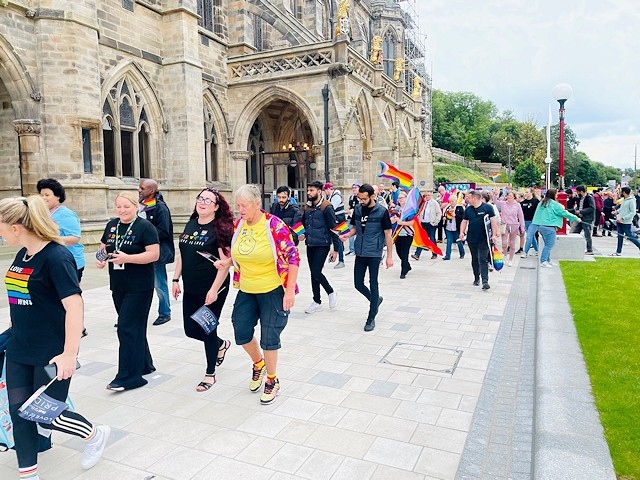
479,222
372,224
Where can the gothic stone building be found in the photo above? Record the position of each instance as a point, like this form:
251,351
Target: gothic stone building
100,93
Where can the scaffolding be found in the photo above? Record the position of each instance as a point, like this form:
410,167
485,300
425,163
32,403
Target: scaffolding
415,60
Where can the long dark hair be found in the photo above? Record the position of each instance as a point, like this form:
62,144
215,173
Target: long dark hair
550,195
223,220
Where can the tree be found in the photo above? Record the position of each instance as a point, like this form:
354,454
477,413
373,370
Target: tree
527,174
462,123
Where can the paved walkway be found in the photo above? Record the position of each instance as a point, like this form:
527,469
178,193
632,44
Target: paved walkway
395,403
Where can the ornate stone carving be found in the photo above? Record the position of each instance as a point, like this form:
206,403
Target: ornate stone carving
376,50
301,61
342,25
30,13
367,155
397,71
339,69
240,155
417,87
165,127
27,127
36,96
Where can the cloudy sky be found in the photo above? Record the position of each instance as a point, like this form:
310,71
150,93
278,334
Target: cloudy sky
513,52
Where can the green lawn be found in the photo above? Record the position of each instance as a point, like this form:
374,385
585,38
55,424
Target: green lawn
605,303
458,173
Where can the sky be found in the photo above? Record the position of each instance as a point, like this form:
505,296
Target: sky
513,52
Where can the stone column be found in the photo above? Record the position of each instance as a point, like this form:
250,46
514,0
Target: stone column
238,167
31,167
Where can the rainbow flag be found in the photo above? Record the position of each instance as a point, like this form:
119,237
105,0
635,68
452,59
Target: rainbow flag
341,228
392,173
495,176
149,204
412,206
298,228
498,261
421,238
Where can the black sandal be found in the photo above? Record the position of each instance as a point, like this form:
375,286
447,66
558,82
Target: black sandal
204,386
226,344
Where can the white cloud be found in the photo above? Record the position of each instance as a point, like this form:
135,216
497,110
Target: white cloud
513,52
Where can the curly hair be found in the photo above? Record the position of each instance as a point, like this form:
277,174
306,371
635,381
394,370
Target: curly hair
53,185
223,220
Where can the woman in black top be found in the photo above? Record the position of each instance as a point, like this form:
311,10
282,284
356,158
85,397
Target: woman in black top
47,314
210,228
132,245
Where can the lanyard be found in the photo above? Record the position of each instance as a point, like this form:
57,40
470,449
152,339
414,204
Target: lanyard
117,244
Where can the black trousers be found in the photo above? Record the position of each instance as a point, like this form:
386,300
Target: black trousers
212,343
316,256
480,261
22,381
403,247
372,293
134,357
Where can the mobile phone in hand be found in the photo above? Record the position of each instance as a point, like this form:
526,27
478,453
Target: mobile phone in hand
52,369
209,256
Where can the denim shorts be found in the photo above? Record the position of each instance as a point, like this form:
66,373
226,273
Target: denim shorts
267,307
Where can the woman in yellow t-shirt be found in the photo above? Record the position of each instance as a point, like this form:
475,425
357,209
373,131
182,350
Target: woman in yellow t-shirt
266,262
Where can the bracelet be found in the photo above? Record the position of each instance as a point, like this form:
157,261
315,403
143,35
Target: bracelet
176,280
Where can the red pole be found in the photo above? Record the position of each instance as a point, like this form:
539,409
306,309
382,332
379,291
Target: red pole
561,196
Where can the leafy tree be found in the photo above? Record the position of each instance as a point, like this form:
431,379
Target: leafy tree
527,174
462,122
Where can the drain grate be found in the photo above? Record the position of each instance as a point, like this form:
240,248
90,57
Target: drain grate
423,357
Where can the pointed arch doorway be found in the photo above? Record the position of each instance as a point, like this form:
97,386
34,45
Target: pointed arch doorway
280,150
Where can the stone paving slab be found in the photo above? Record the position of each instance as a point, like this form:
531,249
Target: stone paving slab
342,413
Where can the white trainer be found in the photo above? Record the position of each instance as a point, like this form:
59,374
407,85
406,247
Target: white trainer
333,300
94,448
313,308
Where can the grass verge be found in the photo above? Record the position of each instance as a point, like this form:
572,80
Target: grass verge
605,302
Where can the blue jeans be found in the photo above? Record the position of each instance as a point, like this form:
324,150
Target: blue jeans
340,251
352,244
452,237
531,238
625,228
162,289
431,231
548,237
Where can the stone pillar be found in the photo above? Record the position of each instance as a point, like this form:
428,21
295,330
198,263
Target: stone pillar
238,168
182,98
31,167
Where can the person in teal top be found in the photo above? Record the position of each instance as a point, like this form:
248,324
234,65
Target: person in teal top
546,220
53,194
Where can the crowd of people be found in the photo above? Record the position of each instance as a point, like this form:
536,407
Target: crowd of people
262,248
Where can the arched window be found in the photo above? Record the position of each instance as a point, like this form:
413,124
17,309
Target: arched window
389,53
256,147
125,133
210,147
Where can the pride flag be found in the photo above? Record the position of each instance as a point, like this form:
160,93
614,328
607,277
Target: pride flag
495,176
298,228
421,238
149,204
498,261
392,173
412,205
341,228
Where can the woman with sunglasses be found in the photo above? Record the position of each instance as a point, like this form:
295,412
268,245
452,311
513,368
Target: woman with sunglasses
210,227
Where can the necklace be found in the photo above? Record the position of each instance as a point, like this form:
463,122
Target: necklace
119,242
27,258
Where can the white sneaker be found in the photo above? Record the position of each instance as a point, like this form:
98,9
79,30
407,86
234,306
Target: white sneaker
510,263
333,300
545,265
339,265
313,308
536,253
524,255
94,448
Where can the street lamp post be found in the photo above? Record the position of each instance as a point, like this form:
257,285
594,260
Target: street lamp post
509,145
562,92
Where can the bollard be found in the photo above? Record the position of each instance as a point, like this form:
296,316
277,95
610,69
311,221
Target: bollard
562,197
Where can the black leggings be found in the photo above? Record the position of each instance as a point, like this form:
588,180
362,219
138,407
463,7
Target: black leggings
362,264
192,302
403,247
22,381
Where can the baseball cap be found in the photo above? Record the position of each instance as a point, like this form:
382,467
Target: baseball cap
357,185
328,185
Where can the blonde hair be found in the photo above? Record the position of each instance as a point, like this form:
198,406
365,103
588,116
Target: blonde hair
132,197
32,213
250,192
